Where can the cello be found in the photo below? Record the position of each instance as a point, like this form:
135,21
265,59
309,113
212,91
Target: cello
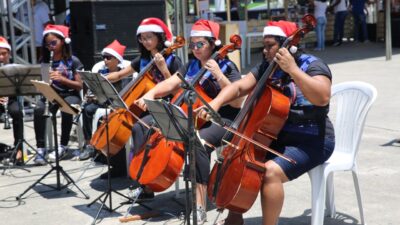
158,164
121,120
236,180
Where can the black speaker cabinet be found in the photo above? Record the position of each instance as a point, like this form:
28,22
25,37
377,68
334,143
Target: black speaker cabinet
96,23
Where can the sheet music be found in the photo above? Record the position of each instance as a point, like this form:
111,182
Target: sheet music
170,118
53,97
102,89
15,79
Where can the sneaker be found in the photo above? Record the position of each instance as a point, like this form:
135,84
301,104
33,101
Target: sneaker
39,159
140,194
88,152
201,215
61,151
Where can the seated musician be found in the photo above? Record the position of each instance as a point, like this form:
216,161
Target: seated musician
308,135
12,104
113,61
204,42
65,80
152,37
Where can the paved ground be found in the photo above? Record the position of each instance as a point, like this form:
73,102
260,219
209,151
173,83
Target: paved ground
378,159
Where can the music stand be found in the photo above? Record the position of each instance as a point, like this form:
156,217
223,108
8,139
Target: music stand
108,96
15,81
54,98
177,126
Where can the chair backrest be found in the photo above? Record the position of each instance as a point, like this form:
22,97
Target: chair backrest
350,104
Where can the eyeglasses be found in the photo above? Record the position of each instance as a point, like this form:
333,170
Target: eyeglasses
52,43
107,57
146,38
197,45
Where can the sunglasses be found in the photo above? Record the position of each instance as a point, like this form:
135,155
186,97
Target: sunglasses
52,43
197,45
107,57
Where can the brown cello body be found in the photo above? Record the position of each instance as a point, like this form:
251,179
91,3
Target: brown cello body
120,122
165,159
241,173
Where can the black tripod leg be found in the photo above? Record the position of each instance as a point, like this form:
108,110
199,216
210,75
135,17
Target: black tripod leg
70,180
96,199
103,204
19,197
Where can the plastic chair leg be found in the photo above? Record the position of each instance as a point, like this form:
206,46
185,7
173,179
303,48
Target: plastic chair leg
358,192
318,188
330,196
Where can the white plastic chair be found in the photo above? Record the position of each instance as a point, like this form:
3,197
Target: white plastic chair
353,101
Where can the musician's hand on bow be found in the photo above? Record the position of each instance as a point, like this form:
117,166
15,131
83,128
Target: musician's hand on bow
56,75
141,103
212,66
203,112
285,60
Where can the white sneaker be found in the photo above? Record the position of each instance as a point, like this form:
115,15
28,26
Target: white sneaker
61,151
201,215
39,159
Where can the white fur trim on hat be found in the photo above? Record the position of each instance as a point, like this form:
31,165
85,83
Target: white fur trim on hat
201,33
167,43
53,31
5,45
113,53
274,31
149,28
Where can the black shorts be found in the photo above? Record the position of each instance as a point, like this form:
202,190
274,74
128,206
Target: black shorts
310,146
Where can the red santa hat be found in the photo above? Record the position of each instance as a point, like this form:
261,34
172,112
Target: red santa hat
156,25
61,30
206,28
115,49
280,28
4,43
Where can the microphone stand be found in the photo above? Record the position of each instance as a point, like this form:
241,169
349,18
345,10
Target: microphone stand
190,97
216,118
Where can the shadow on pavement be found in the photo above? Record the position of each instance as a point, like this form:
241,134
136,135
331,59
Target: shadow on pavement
305,219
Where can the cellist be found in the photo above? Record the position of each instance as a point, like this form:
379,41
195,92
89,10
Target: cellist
153,36
307,136
204,42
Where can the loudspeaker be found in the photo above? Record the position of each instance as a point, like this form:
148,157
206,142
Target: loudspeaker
96,23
